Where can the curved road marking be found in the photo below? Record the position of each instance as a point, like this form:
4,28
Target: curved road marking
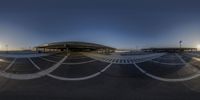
79,58
80,78
51,69
144,60
167,58
137,60
23,55
74,79
195,58
34,75
167,79
48,60
172,64
56,56
78,63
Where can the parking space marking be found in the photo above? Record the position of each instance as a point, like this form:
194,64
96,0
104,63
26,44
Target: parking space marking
33,75
183,61
48,60
82,57
34,64
22,56
4,61
171,64
112,60
78,63
195,58
167,79
124,59
80,78
74,79
194,54
10,65
56,57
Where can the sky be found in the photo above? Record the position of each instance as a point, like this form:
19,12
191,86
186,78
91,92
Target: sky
117,23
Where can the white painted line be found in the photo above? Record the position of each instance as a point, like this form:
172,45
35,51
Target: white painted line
10,65
80,78
167,58
145,60
172,64
120,59
78,63
167,79
23,55
74,79
106,68
34,75
34,64
195,58
82,57
4,61
56,57
183,61
48,60
79,58
194,54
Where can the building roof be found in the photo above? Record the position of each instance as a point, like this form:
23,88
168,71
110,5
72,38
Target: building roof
73,44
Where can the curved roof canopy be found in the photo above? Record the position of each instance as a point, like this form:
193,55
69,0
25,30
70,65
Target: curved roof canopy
73,44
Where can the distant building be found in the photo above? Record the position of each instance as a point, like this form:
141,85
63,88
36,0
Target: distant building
169,50
74,46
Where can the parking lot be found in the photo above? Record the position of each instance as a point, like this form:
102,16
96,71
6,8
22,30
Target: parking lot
78,76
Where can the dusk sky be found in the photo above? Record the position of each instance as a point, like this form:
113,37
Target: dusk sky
117,23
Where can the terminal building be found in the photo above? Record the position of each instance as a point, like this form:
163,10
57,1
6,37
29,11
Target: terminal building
172,50
74,46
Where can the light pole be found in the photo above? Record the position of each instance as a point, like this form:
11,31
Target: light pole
6,48
66,48
180,43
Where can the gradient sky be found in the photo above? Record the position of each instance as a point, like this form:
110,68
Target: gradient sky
117,23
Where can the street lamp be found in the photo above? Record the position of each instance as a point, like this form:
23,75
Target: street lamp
66,48
6,48
180,43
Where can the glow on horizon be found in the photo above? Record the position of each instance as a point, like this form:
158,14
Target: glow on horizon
25,38
198,47
3,47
